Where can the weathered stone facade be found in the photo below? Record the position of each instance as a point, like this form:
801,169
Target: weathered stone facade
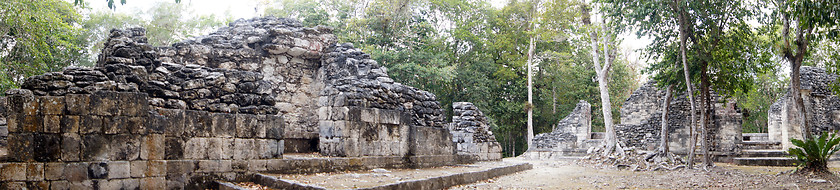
822,107
471,133
570,137
641,122
216,106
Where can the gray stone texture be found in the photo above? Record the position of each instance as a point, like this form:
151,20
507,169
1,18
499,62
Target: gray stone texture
471,133
641,121
570,133
821,104
225,104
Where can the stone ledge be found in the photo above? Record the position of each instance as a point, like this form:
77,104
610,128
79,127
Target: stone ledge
440,182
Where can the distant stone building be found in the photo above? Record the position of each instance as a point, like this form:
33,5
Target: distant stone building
570,137
641,122
821,104
640,127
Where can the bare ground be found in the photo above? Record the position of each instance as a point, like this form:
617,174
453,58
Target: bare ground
570,174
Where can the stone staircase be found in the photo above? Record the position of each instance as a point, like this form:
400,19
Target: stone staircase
758,150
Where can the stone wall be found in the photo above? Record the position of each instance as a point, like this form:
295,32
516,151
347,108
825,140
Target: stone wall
280,56
641,122
365,113
216,106
112,140
822,106
471,133
570,137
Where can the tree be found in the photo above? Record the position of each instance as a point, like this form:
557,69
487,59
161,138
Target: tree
111,3
602,73
715,42
167,23
810,22
802,23
37,37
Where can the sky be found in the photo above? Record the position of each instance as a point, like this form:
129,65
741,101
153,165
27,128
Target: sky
249,9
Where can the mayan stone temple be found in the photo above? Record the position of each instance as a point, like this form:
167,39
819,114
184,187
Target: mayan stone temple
226,107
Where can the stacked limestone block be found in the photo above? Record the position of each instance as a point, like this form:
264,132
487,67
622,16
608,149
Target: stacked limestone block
471,133
365,113
137,122
128,59
568,138
285,53
641,117
822,107
112,140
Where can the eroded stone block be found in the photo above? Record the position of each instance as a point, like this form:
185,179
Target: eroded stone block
197,124
47,147
105,103
69,124
95,147
152,147
125,147
156,168
246,125
173,122
243,149
52,123
138,168
97,170
77,104
13,172
54,171
174,148
224,125
35,172
195,148
76,172
51,105
90,124
119,169
22,147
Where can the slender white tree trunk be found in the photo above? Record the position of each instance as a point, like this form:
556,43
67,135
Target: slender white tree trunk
530,94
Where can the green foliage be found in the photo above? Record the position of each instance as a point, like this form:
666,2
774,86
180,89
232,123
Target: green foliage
166,23
815,152
36,37
111,3
755,103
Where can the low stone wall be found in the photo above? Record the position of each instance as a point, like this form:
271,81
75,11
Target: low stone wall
471,133
113,140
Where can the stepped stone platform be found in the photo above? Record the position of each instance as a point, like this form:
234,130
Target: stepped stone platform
428,178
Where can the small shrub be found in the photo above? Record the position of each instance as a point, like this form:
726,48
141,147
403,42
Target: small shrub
813,153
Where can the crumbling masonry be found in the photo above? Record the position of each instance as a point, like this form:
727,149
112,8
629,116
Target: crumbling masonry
221,106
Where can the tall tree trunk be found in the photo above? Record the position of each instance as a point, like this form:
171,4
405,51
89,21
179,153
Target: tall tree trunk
705,106
690,93
603,77
530,93
663,132
795,61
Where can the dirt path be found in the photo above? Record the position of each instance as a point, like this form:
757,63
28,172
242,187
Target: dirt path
570,175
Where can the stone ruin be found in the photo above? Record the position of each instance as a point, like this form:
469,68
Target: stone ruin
640,127
570,137
822,107
471,133
641,116
222,106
